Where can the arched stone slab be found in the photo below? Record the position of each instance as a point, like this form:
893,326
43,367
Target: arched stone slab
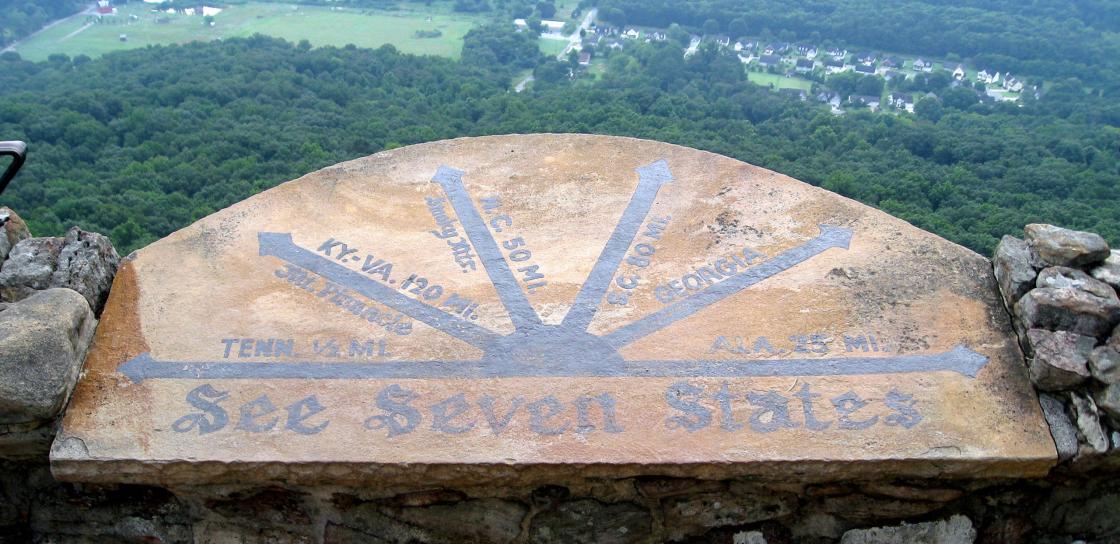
546,308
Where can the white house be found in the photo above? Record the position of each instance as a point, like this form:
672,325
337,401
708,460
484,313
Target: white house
631,34
1012,84
958,72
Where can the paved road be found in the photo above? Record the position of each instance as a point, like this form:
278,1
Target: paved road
521,85
575,39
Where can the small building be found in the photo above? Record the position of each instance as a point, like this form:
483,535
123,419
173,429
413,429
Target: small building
123,37
770,60
631,34
1012,84
958,72
902,101
872,102
833,66
922,65
865,69
838,53
809,51
585,58
987,77
867,57
804,66
104,8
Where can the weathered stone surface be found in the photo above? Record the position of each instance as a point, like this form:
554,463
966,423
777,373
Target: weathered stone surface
1104,364
696,515
1114,339
1109,270
1088,422
1108,400
589,521
43,340
1060,359
87,263
364,324
29,267
955,530
1057,246
483,520
12,231
1069,309
1013,269
748,537
911,492
1061,427
861,509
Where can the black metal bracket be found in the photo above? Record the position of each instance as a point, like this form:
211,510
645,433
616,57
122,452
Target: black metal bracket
18,152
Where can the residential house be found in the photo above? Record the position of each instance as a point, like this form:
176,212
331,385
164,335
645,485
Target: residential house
585,58
987,77
922,65
833,66
804,66
658,36
871,102
891,62
865,69
902,101
867,57
837,53
770,60
631,34
614,43
958,72
1012,84
738,47
808,51
776,48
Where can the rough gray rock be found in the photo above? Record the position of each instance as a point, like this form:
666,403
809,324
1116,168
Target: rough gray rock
1109,270
1060,359
591,521
29,268
1057,246
12,231
1108,400
87,264
695,515
1114,340
1088,422
1070,308
1061,428
483,520
956,530
43,341
1065,277
748,537
1013,269
1104,364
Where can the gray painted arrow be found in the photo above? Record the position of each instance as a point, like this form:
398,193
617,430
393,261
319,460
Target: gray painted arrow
509,290
960,359
829,237
650,179
281,245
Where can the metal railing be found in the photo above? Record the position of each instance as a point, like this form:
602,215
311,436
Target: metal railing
18,152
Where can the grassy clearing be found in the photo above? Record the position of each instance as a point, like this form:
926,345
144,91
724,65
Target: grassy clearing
779,81
319,25
552,47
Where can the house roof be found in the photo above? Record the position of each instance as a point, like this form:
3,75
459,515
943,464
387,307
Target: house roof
865,69
770,59
804,63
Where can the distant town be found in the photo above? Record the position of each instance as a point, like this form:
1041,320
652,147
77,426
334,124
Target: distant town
802,70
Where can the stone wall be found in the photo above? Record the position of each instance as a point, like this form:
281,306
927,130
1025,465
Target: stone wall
1060,287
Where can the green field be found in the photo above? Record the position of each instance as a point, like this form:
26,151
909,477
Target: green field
319,25
552,47
779,81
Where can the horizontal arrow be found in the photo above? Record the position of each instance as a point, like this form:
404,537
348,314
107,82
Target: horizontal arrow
960,360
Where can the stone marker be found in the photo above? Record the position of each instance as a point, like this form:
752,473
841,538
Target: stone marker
539,309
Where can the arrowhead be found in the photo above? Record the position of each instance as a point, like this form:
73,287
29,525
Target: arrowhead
966,361
135,367
272,242
836,236
657,172
447,174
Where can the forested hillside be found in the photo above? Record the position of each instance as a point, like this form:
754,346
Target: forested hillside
141,143
19,18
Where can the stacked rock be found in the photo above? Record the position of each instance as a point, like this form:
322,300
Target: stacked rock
1060,286
51,289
